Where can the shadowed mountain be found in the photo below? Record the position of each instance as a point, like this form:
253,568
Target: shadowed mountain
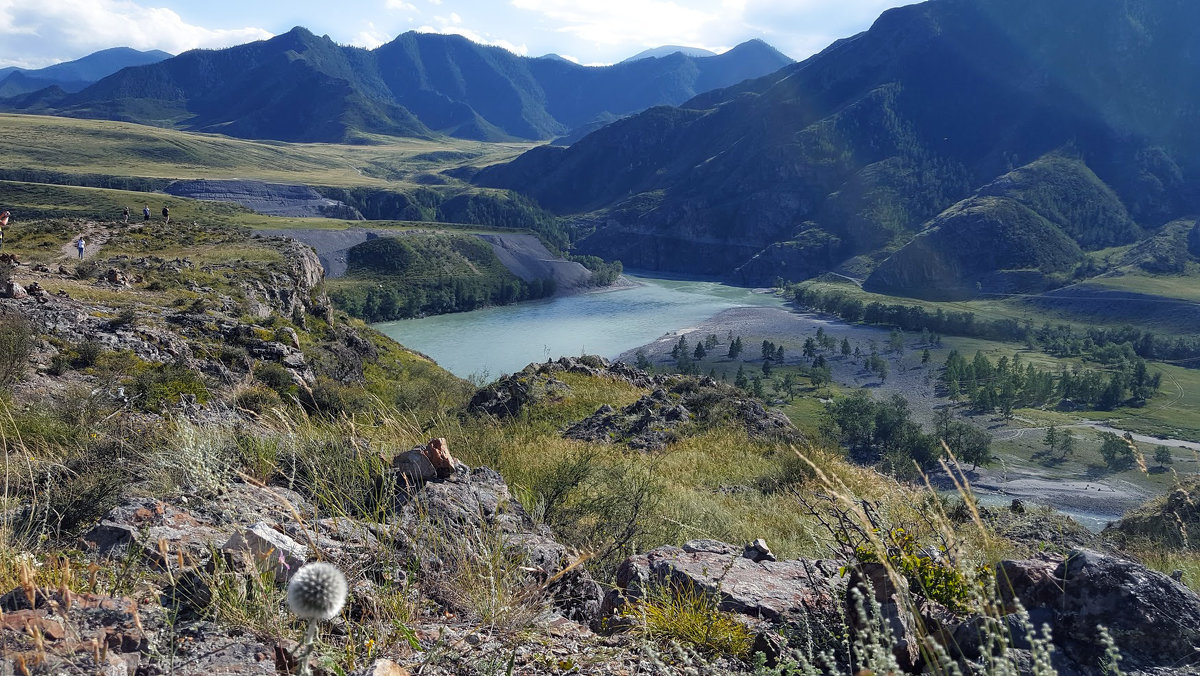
300,87
667,50
72,76
1081,119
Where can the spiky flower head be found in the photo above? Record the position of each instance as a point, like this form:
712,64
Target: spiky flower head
317,591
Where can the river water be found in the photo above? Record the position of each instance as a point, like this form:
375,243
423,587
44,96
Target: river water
487,343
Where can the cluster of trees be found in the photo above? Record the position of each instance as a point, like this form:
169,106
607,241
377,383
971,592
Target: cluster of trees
1007,384
1097,343
1059,443
603,273
687,359
400,277
883,432
389,300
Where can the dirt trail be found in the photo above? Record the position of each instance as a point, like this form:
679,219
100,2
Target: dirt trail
94,237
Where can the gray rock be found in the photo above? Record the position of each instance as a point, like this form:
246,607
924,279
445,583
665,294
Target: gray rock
1154,620
770,591
412,469
758,551
268,549
473,510
14,290
710,547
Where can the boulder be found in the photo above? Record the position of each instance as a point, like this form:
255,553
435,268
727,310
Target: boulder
473,510
164,533
267,549
412,469
770,592
14,290
1154,620
437,451
1031,583
758,551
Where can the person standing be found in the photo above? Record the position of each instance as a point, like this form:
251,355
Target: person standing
146,213
166,215
80,244
3,224
125,214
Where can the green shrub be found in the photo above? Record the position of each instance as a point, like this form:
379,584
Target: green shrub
85,354
163,385
691,618
334,399
17,340
276,377
257,399
936,577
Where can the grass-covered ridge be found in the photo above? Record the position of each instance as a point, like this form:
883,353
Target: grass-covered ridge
427,273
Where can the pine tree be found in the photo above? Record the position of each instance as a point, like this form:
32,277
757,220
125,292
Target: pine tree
845,347
700,352
740,380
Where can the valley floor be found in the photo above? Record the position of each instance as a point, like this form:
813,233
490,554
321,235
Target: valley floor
1080,488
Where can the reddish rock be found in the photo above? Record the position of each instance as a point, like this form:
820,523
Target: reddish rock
437,451
30,620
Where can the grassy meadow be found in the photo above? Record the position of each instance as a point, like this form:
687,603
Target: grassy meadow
76,146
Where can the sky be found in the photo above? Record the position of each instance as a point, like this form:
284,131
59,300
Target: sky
37,33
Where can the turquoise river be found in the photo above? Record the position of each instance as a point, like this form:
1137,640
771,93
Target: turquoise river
487,343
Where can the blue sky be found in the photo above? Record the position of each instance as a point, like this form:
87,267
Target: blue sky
35,33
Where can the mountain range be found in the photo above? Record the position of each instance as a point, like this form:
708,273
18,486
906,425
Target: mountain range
302,87
956,146
72,76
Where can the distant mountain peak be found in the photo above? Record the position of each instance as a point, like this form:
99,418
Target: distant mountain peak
667,50
419,84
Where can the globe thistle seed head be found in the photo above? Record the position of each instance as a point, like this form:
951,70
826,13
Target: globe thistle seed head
317,591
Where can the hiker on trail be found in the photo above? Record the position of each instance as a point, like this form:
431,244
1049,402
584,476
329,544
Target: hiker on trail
3,224
146,213
80,244
166,215
125,214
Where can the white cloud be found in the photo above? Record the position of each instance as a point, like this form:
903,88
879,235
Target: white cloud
796,27
55,30
370,38
400,5
620,22
453,25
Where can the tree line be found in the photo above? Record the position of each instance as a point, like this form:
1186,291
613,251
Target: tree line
1009,384
1097,343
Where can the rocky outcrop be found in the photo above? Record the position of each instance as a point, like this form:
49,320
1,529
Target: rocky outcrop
508,396
772,591
648,424
659,418
1153,620
472,511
